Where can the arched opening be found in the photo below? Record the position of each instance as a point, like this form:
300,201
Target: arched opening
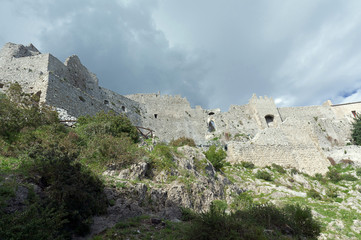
269,120
155,115
211,126
211,113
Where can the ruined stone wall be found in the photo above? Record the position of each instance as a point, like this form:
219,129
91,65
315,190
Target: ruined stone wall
171,117
345,110
263,108
70,86
258,131
29,72
306,113
284,145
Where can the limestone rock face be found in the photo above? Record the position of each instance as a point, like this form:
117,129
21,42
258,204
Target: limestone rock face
193,183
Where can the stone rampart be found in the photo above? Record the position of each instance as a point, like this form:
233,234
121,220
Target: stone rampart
258,131
306,113
347,110
284,145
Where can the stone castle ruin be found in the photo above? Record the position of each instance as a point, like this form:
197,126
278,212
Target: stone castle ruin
259,132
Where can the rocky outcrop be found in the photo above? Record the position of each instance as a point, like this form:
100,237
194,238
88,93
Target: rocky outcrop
193,184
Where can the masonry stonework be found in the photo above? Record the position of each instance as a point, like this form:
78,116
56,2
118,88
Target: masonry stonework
259,132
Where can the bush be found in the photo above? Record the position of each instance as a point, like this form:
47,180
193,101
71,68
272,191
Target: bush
112,152
216,157
247,165
334,175
264,175
356,130
68,185
294,171
349,177
107,123
182,141
37,221
187,214
21,110
358,172
256,222
162,157
331,193
319,177
278,168
312,193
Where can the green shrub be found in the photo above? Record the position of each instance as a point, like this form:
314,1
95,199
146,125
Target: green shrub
162,157
294,171
36,221
278,168
112,152
319,177
358,172
107,124
349,177
263,175
356,130
334,175
247,165
256,222
216,157
242,201
312,193
68,185
331,193
219,206
20,110
182,141
301,221
187,214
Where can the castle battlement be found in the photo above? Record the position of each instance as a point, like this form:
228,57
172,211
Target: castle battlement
259,131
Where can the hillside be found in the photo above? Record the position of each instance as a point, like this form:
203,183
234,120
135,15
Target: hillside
78,161
99,180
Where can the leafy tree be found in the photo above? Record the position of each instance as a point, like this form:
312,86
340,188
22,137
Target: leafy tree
356,130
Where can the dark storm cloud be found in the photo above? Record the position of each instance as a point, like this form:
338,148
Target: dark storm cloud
215,53
299,52
119,42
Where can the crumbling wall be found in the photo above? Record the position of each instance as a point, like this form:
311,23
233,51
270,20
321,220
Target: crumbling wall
306,113
345,110
284,145
264,108
171,117
28,70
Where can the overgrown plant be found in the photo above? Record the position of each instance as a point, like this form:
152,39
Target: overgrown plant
256,222
356,130
263,175
182,141
216,157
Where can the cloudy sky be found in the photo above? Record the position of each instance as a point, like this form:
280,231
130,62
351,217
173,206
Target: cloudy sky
214,52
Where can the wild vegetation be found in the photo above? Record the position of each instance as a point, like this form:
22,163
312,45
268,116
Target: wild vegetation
51,183
356,130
